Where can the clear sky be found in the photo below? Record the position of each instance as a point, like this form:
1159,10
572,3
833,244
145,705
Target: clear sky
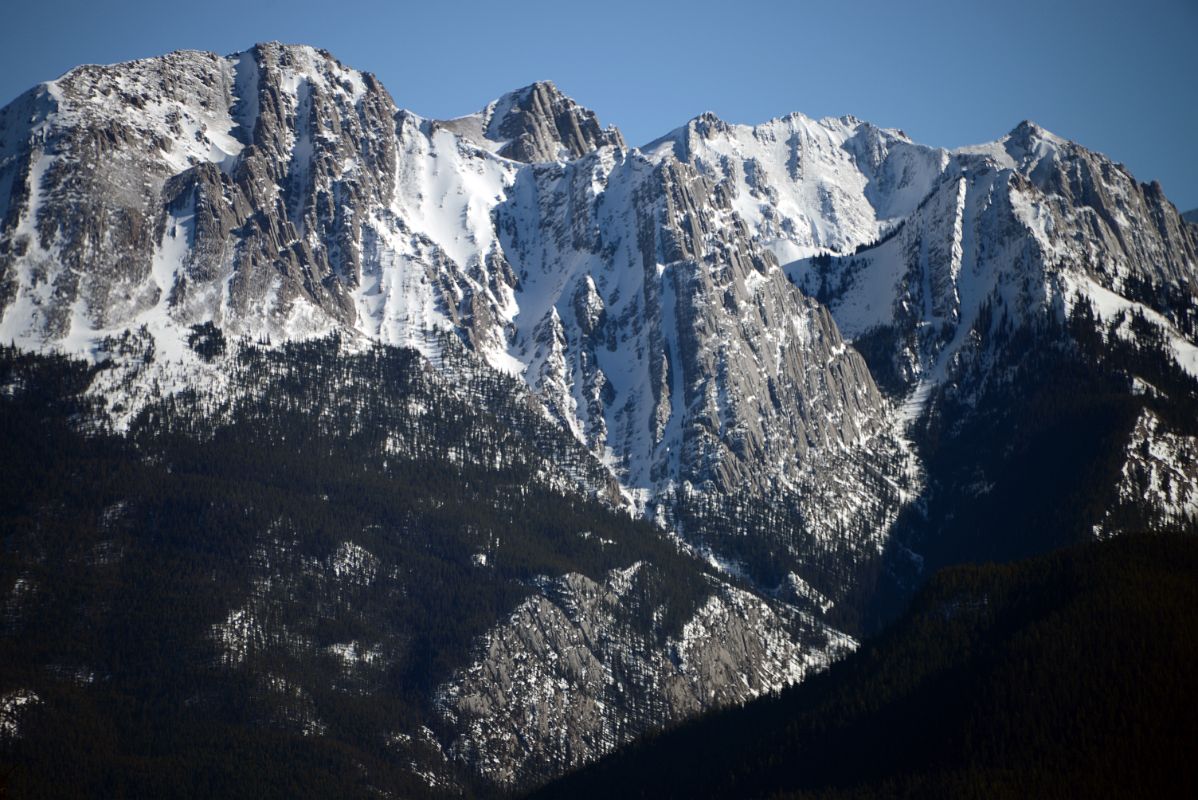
1119,77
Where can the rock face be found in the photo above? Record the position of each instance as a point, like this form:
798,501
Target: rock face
537,123
575,671
667,338
190,187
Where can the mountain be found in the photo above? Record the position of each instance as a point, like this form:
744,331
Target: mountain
1191,215
1050,677
804,364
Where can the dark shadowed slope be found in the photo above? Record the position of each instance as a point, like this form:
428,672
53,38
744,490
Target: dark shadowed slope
1054,677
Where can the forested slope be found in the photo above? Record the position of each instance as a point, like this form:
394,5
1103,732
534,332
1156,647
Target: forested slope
1060,676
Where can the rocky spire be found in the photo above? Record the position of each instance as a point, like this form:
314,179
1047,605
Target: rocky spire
539,123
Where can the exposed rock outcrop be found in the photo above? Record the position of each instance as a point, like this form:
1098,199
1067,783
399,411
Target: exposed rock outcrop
583,667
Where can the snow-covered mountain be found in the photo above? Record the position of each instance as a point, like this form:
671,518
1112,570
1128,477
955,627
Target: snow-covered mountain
691,314
1029,223
280,195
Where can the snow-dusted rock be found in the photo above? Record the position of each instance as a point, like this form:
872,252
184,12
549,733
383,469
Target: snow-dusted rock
583,667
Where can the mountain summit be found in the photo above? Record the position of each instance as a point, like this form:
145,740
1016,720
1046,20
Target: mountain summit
535,124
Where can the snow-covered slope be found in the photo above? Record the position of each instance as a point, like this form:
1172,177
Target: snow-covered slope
663,337
805,186
1011,232
894,234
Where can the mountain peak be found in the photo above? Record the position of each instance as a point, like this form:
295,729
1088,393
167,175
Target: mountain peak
1028,134
539,123
1029,144
275,46
545,86
708,124
536,123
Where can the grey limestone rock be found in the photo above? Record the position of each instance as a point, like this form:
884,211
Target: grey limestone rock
584,666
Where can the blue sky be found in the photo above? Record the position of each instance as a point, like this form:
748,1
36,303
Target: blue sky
1118,77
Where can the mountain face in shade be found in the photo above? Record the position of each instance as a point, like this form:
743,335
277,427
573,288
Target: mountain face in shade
821,359
902,715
